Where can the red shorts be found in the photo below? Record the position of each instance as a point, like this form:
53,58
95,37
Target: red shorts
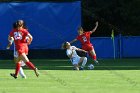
22,49
87,47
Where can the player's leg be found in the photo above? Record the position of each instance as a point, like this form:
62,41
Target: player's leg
17,69
83,60
23,56
16,59
21,72
22,63
76,67
92,54
75,63
90,50
28,63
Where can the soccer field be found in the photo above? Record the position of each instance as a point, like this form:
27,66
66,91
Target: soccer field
56,76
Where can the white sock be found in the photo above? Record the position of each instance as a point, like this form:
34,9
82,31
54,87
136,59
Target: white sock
21,72
84,62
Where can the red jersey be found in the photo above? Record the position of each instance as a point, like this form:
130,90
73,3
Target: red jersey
84,38
19,36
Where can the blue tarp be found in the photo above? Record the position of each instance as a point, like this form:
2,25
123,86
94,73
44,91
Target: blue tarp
131,46
50,23
53,23
125,46
104,47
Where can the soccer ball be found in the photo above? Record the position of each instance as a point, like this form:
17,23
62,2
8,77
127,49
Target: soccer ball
91,67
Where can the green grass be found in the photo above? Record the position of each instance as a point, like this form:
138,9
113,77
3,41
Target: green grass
56,76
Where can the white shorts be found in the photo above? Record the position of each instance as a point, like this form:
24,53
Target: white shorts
16,55
22,63
75,60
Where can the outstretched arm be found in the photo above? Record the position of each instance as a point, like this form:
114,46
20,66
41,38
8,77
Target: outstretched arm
70,55
10,39
81,50
30,39
94,29
73,41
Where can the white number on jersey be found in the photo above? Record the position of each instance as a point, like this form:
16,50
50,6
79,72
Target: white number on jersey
17,36
84,38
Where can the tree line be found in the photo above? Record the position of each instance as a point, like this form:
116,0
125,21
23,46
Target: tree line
122,16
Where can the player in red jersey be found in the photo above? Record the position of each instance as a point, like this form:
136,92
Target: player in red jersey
21,72
84,38
21,45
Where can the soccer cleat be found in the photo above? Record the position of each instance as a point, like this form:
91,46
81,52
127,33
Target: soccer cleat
24,77
81,68
36,72
76,68
95,61
13,75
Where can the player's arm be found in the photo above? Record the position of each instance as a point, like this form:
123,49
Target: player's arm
94,29
30,39
70,54
10,39
73,41
81,50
